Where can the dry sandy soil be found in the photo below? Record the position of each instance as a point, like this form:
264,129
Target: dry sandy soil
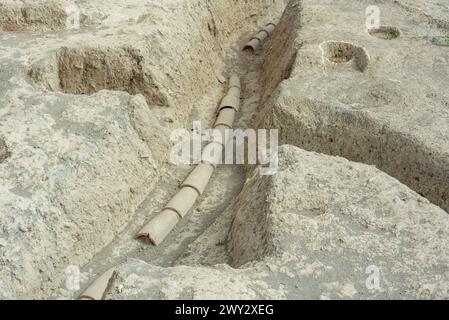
363,178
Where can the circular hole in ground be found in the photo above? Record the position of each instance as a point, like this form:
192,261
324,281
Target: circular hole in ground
341,52
385,32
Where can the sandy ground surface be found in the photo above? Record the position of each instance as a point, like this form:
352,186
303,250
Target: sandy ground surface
85,121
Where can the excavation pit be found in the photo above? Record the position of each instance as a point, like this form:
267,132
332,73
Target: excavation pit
85,71
340,52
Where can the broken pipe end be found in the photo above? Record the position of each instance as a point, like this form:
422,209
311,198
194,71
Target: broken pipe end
159,227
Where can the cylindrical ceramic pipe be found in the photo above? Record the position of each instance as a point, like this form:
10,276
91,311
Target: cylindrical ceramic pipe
269,28
234,91
219,134
160,226
234,81
230,101
212,154
252,45
260,37
183,201
226,117
97,289
199,177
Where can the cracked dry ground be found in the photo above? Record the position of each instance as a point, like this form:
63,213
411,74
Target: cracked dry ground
363,176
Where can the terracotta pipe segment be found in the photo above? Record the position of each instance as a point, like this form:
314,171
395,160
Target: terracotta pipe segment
219,134
212,154
261,35
230,101
269,28
226,117
183,201
234,81
199,177
234,91
252,45
160,226
97,289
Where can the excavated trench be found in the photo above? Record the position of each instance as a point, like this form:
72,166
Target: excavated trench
178,248
263,66
355,137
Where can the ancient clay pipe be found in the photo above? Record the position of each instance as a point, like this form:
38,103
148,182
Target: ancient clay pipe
231,101
234,81
219,134
252,45
232,98
195,184
255,42
160,226
233,91
199,178
97,289
226,117
269,28
212,153
183,201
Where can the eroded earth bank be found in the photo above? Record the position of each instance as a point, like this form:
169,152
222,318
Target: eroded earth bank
362,183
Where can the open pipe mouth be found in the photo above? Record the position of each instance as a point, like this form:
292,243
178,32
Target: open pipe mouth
97,289
256,41
385,32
